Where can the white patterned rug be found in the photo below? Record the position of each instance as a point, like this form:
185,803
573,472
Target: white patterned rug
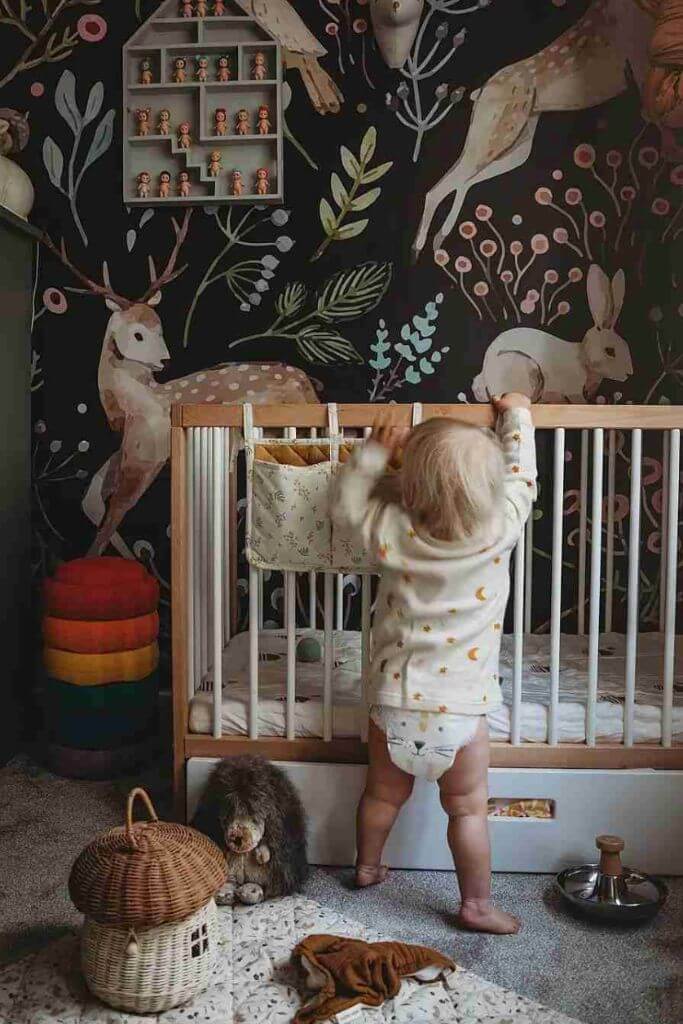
254,982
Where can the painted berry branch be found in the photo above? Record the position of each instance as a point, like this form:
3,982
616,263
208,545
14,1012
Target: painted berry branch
45,46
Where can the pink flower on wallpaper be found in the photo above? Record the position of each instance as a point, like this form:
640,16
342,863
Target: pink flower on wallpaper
561,236
558,175
467,229
652,471
575,274
584,155
543,196
572,502
481,289
488,247
516,248
37,89
483,212
441,257
654,542
551,276
55,301
463,265
539,244
527,306
563,308
628,193
360,25
331,29
676,175
91,28
660,206
573,196
533,295
648,156
507,277
597,218
614,158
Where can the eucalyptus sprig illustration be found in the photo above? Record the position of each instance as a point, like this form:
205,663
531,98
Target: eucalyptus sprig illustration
352,199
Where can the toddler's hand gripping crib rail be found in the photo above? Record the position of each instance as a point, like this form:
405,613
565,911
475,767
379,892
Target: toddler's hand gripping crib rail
599,696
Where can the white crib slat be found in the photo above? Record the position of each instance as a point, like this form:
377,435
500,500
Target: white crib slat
217,560
312,578
366,651
528,571
583,531
189,639
594,609
328,643
209,549
339,617
609,547
556,586
227,582
290,605
204,526
670,593
196,547
253,651
633,594
664,529
516,714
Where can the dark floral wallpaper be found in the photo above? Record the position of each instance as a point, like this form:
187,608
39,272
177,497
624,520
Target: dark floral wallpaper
503,181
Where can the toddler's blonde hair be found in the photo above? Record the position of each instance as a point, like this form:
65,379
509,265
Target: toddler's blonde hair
452,479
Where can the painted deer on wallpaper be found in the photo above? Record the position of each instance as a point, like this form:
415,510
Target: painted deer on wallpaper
138,407
587,65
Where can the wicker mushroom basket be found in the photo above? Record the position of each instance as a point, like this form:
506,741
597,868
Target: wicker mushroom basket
147,892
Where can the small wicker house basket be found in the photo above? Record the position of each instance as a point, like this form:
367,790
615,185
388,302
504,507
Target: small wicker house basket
147,892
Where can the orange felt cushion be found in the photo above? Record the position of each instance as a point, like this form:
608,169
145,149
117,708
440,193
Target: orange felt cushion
100,637
102,600
104,571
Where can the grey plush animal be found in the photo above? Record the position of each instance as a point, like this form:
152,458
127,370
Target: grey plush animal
253,812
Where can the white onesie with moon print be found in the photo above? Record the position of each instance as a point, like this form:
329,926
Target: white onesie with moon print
440,606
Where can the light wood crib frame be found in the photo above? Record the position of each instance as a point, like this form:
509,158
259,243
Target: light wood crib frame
205,599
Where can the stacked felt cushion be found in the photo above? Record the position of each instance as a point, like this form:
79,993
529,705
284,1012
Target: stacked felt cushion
100,631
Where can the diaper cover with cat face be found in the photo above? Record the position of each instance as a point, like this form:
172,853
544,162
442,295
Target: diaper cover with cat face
424,743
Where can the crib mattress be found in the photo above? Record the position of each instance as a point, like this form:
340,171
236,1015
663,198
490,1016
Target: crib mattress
346,684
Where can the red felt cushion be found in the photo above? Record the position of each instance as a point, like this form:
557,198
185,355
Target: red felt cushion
100,637
101,601
105,571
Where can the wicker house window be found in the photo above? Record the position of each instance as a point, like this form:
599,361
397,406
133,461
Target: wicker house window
200,941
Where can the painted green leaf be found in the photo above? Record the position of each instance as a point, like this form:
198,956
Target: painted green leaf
94,104
426,366
327,217
322,344
351,230
54,161
367,199
101,140
352,293
412,376
291,300
367,146
339,193
349,162
376,173
65,101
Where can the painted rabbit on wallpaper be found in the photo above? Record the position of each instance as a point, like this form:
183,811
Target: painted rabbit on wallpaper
548,369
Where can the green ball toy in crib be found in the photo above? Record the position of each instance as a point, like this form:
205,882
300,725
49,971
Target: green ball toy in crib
309,650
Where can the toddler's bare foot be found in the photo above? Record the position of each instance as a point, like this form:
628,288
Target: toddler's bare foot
368,875
480,916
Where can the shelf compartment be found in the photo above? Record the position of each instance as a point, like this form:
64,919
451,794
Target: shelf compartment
183,106
247,60
192,55
135,59
215,30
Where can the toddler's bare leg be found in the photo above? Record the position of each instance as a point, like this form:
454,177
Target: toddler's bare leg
386,790
464,797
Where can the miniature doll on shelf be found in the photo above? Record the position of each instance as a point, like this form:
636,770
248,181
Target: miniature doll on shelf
215,163
220,121
202,8
202,72
179,69
146,76
186,9
184,187
262,183
144,180
264,125
142,115
237,187
164,125
184,137
223,72
164,184
259,71
219,9
242,123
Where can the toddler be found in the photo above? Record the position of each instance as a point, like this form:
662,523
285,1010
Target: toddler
443,541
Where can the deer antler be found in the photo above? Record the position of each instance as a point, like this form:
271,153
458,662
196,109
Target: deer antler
169,273
104,290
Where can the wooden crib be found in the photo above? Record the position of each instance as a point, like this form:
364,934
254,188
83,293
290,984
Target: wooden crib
593,720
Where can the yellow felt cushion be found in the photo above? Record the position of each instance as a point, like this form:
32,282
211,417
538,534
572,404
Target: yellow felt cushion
100,669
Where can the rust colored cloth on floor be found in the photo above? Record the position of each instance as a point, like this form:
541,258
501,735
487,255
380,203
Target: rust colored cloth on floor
352,972
100,637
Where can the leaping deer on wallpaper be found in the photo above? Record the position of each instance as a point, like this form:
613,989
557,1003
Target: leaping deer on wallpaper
585,66
138,407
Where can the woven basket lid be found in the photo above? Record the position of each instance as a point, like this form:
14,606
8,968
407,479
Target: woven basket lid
146,873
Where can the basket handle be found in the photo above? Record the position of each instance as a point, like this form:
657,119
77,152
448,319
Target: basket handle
132,796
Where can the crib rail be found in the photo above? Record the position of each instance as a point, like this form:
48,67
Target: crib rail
604,440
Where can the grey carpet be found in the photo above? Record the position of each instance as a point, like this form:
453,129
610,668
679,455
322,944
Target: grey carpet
595,974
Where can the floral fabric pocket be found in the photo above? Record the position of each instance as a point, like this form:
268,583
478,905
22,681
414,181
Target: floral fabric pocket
290,518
